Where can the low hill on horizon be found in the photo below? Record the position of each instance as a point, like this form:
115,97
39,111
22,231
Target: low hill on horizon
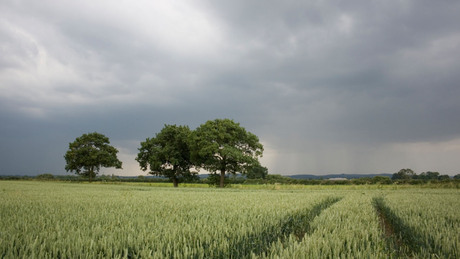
327,176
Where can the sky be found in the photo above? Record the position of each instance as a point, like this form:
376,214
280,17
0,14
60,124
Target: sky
329,87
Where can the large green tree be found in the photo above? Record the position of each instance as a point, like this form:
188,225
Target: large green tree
88,153
222,146
167,154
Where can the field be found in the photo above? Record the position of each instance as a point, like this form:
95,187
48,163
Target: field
78,220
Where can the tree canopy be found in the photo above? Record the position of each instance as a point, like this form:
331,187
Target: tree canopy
403,174
88,153
408,174
223,146
167,154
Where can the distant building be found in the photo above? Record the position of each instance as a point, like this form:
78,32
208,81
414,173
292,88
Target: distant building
337,179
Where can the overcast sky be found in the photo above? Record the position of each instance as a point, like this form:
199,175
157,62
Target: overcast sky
327,86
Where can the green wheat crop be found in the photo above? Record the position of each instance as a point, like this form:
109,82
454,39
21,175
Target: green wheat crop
75,220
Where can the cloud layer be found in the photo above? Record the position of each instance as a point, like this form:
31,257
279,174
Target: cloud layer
329,87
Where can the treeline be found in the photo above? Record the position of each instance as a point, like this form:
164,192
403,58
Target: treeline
380,180
409,176
213,180
102,178
80,178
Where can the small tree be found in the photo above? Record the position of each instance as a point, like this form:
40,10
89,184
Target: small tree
167,154
223,146
88,153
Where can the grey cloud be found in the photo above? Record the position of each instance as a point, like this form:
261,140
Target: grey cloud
317,81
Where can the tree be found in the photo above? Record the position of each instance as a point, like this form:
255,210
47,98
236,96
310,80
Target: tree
257,172
457,177
403,174
88,153
223,146
167,154
428,176
444,177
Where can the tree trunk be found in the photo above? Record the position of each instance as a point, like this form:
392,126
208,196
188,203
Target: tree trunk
91,174
222,178
174,176
175,182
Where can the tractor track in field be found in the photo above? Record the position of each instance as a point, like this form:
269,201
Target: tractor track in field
297,224
394,241
402,240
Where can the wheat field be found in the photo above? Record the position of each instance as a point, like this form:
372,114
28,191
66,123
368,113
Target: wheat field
80,220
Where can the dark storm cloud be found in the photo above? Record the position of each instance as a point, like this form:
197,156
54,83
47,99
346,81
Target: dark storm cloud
342,86
375,61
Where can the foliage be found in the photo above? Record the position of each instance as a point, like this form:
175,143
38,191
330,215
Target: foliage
257,172
276,178
88,153
427,176
403,174
44,177
167,154
223,146
409,176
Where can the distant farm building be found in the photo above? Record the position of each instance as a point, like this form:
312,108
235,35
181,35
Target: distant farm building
337,179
